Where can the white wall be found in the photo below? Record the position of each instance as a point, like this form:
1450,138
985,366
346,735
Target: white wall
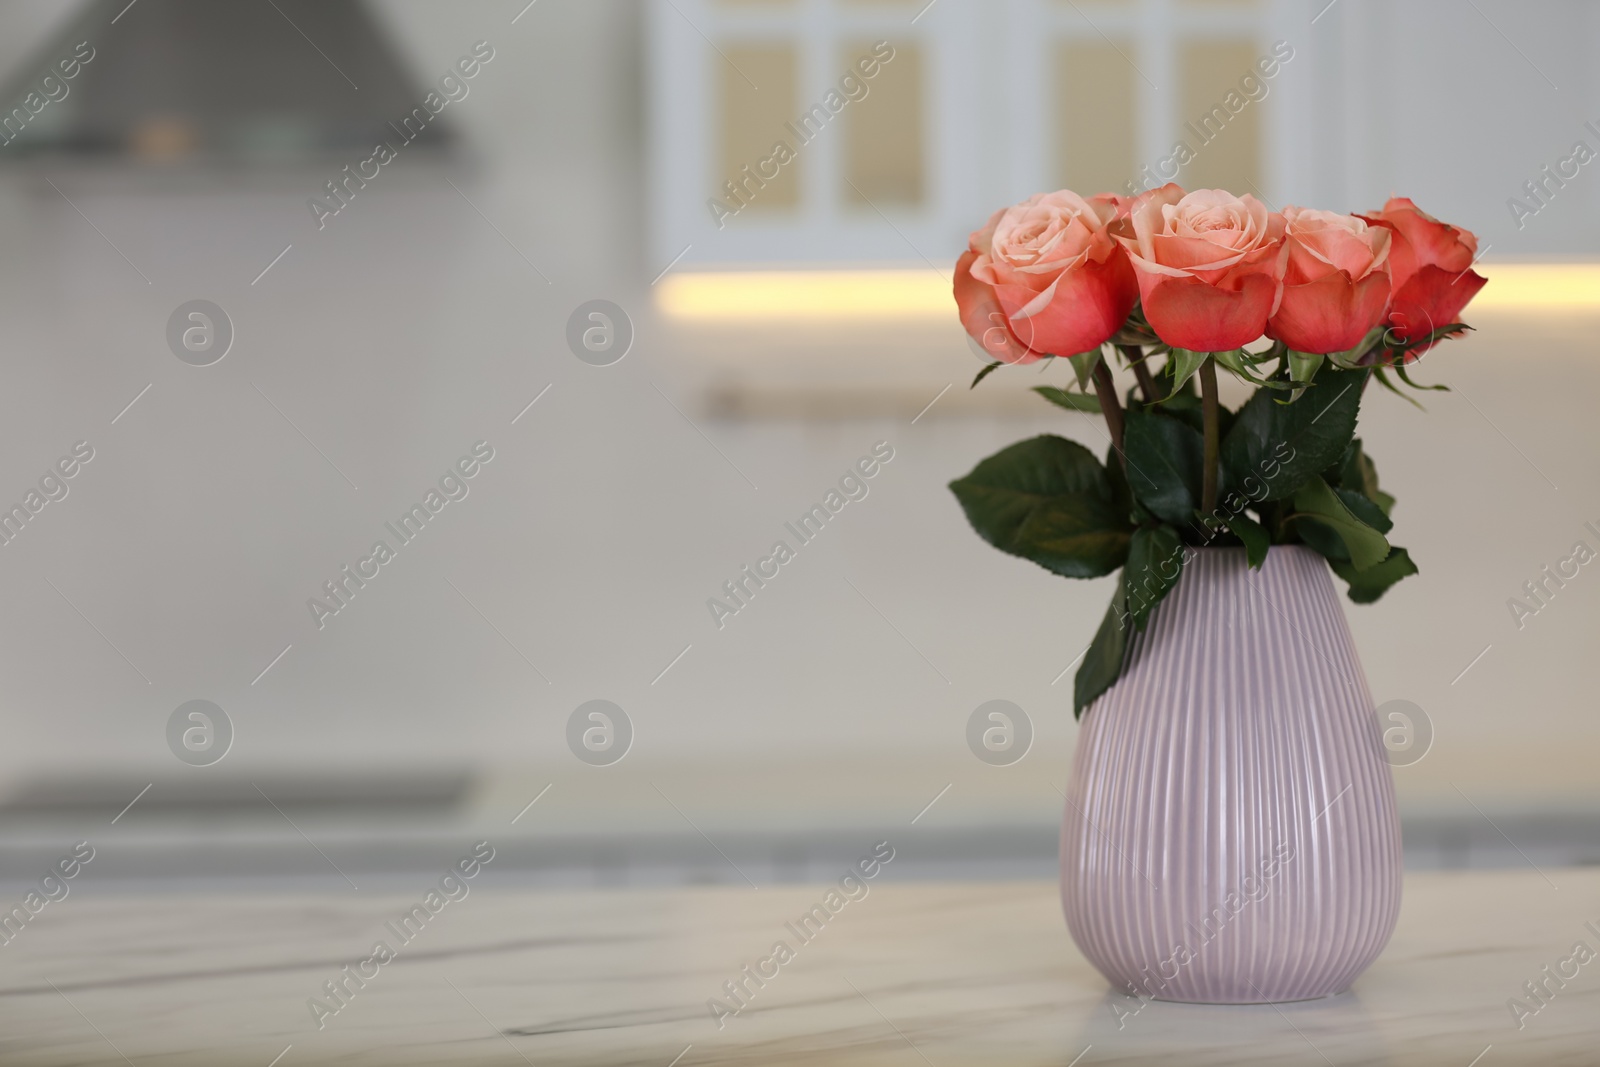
1456,105
410,328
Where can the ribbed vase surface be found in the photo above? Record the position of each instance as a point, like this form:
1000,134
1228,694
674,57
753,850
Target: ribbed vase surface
1230,833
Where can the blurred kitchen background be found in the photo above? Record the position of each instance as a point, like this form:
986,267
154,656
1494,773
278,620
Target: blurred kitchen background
768,344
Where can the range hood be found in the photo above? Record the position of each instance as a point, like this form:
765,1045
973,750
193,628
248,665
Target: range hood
203,83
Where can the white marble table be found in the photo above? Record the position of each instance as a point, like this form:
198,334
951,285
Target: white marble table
936,974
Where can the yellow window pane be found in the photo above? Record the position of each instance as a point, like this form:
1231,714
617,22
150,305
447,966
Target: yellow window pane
1220,122
883,120
752,126
1095,124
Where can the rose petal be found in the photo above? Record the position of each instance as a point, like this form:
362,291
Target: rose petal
1421,240
1321,242
1331,314
983,318
1433,297
1080,311
982,240
1189,313
1195,253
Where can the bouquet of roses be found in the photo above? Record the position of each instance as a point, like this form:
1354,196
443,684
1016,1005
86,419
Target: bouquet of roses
1305,306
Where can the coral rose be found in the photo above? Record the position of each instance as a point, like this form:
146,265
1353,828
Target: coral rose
1044,278
1209,265
1431,266
1336,282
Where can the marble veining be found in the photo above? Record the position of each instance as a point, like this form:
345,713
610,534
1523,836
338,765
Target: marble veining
914,973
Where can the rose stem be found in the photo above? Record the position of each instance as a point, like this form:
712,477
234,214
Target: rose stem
1141,370
1106,390
1208,410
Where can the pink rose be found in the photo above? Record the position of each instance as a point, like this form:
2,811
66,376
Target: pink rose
1336,283
1209,265
1044,278
1431,264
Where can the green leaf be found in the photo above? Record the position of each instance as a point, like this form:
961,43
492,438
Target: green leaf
1352,357
1155,560
1358,472
1187,408
1278,353
1166,460
1184,406
1121,494
1454,329
1355,470
1182,366
1370,584
1303,367
1318,500
1070,401
984,373
1283,446
1323,539
1400,369
1234,360
1102,663
1048,500
1254,535
1383,380
1083,365
1365,509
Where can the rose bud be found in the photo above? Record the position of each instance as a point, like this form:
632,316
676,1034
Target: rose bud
1044,278
1209,265
1430,264
1336,283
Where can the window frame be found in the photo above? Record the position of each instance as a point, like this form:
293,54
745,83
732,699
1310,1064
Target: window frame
976,143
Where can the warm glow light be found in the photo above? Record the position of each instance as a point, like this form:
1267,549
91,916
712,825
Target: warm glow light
809,295
1538,286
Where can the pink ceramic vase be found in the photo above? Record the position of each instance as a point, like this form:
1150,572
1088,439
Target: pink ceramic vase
1230,833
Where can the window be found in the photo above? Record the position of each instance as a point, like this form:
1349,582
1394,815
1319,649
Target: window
785,133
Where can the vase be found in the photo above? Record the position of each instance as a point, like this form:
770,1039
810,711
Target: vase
1230,833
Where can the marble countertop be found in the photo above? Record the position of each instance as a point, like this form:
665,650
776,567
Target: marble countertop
938,974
